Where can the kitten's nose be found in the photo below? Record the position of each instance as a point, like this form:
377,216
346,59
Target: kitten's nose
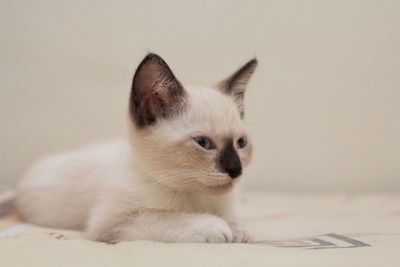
230,161
234,172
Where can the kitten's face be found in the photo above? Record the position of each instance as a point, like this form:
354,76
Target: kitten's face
190,138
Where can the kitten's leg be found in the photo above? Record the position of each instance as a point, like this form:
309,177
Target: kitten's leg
161,226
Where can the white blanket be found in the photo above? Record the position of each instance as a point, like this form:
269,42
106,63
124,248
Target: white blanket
290,230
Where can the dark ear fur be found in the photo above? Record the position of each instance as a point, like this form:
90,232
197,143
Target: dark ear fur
235,85
156,93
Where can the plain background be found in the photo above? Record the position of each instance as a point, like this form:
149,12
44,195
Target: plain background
323,106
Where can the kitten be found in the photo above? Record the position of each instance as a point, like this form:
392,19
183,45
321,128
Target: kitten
173,180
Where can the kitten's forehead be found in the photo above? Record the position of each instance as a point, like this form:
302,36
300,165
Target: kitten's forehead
213,111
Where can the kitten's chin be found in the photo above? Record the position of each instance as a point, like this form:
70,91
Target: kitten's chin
217,189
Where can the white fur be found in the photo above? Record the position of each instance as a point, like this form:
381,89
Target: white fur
157,184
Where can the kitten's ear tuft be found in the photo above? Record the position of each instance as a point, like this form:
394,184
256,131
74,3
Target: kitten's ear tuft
156,93
235,85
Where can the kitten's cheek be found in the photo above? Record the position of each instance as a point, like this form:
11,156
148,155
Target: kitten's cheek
245,160
247,157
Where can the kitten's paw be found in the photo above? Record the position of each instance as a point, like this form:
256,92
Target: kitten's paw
209,230
241,234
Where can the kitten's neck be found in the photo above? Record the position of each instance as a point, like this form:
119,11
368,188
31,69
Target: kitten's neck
164,198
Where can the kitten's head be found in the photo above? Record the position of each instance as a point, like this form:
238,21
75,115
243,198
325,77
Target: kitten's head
189,138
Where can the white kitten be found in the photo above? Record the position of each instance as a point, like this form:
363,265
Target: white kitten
172,180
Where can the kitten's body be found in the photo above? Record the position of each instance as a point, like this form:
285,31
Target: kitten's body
158,184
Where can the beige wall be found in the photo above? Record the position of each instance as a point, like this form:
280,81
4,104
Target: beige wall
323,107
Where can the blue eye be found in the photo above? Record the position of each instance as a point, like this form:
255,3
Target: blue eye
204,142
242,142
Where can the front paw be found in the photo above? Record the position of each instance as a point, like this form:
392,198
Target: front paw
208,229
241,234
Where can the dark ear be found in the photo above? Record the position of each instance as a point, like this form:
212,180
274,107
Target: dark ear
235,85
156,93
